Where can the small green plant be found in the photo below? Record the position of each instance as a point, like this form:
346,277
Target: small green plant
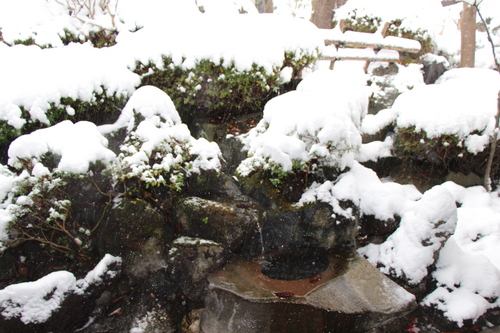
99,38
43,210
446,152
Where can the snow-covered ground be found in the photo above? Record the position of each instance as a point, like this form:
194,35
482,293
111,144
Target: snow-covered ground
311,121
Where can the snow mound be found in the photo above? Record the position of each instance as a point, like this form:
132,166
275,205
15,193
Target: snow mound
361,185
78,145
149,103
34,302
36,79
462,102
159,144
299,127
345,84
468,269
425,226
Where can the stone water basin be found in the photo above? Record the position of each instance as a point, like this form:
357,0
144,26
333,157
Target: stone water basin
246,279
350,296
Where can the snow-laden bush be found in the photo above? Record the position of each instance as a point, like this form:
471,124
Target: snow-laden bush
451,122
52,163
158,149
408,21
41,87
62,166
223,67
303,131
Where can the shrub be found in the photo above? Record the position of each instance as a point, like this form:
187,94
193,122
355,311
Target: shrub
158,150
56,209
446,152
59,193
217,90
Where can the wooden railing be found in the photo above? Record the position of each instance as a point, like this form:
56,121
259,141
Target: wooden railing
352,45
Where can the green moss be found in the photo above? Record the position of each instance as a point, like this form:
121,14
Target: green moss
27,42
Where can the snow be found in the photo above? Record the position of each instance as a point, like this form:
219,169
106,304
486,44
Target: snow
209,37
78,145
34,302
284,138
461,102
323,119
76,71
160,133
425,224
468,269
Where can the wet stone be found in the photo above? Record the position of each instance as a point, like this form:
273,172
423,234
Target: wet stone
350,295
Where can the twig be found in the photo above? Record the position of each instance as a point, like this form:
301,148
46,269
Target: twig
490,39
110,197
494,137
494,140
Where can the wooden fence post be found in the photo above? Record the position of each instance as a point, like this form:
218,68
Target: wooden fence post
468,33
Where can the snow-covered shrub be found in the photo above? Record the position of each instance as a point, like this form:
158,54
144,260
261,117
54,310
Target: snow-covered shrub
425,226
450,123
304,133
372,24
41,87
158,149
219,89
408,21
56,167
468,269
212,89
59,22
221,67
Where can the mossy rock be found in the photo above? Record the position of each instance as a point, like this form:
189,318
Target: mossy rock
282,190
128,225
230,223
311,226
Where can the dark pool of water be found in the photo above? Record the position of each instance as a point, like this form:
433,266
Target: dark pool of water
297,265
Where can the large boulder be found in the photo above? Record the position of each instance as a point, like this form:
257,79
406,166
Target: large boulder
128,225
311,226
229,223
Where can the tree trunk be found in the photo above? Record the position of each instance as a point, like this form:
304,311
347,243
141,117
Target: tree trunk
468,33
264,6
322,14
